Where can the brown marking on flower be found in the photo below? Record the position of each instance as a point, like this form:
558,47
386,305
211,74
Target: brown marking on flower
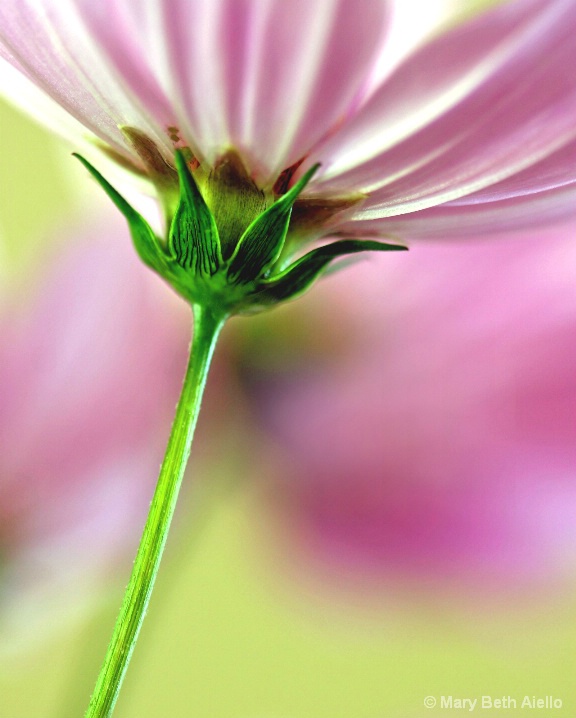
174,133
229,169
312,215
157,168
192,162
179,144
176,138
282,184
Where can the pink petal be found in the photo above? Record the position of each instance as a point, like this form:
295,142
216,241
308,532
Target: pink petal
492,100
409,113
458,219
268,77
49,43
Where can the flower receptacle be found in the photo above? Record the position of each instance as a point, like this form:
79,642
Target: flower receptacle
244,274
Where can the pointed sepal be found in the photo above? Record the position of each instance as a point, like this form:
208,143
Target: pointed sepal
262,242
145,241
193,239
300,275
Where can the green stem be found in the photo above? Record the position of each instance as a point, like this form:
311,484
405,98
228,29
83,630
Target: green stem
207,327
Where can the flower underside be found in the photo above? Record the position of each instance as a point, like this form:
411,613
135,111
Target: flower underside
230,246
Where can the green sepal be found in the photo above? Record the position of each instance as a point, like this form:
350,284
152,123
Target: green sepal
193,238
300,275
262,242
145,241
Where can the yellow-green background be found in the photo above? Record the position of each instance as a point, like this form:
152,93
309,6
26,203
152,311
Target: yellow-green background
235,630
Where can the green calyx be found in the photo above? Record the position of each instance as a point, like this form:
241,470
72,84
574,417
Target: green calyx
246,276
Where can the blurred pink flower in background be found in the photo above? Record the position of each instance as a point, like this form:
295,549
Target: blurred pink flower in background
89,375
427,118
439,442
430,431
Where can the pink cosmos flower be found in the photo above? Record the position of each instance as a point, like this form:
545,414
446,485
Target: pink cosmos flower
425,123
80,441
440,442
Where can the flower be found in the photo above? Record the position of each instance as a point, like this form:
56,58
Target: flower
80,441
425,123
439,444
